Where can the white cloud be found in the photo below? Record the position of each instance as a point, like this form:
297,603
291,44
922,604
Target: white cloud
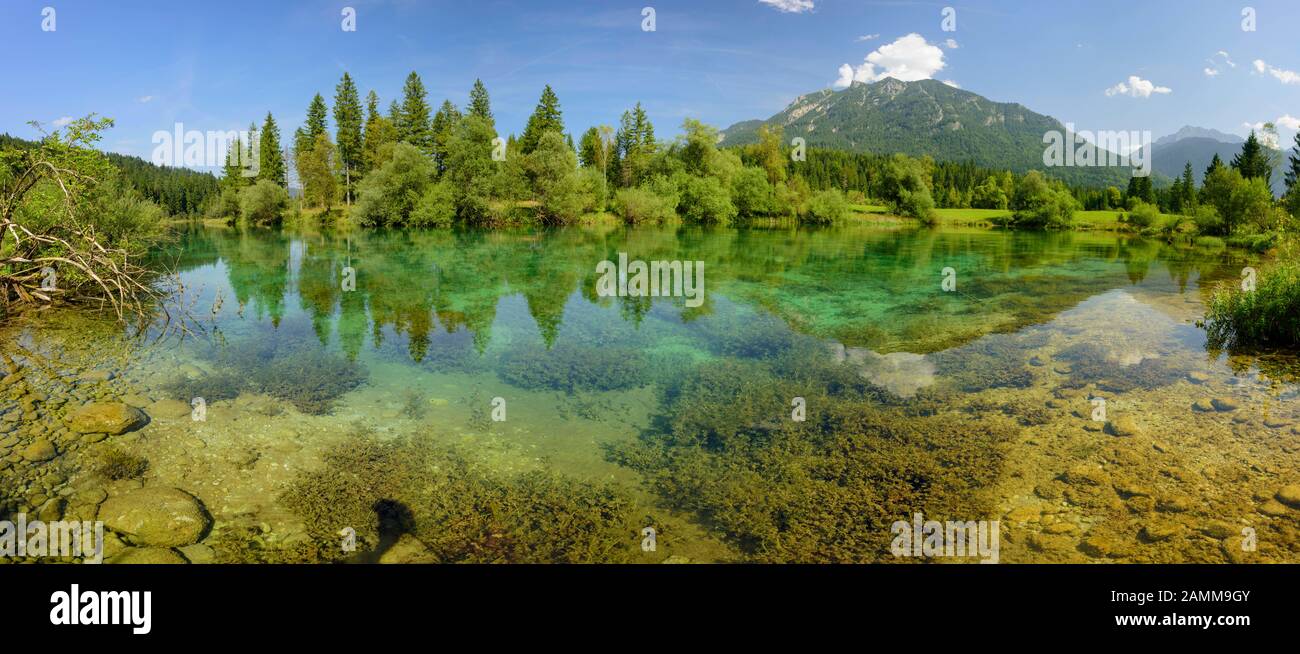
1290,122
790,6
61,122
1283,75
951,44
908,58
868,37
144,98
1226,60
1137,87
952,83
1210,72
1269,140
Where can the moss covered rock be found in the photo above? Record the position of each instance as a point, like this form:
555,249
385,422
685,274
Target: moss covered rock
106,418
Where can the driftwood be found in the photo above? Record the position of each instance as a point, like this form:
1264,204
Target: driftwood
111,281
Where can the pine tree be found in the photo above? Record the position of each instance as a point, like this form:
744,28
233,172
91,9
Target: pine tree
347,116
479,105
413,119
1216,162
379,133
316,117
1189,188
1252,161
270,158
444,125
546,118
234,168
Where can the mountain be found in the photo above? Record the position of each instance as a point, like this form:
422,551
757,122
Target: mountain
1192,132
925,117
1198,145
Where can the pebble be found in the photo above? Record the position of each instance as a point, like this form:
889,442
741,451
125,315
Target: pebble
1124,426
41,450
1274,508
1154,532
1224,404
1289,495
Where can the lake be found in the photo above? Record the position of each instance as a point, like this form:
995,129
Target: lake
823,385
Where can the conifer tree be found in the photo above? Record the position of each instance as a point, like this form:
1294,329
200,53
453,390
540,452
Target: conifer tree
479,105
1252,161
270,159
1216,162
347,118
413,118
379,132
444,125
546,118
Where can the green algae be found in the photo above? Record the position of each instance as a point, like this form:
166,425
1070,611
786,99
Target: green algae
456,509
114,463
569,367
822,489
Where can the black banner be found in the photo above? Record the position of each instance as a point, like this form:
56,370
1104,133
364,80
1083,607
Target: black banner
345,603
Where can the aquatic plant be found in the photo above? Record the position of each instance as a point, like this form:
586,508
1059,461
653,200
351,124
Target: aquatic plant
749,336
1092,364
113,463
829,493
1268,316
569,367
456,509
211,387
994,361
302,374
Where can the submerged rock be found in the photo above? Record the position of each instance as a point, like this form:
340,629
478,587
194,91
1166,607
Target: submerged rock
106,418
163,517
1124,426
41,450
1289,495
1224,404
171,409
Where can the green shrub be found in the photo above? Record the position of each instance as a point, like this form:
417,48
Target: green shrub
436,207
643,205
1269,316
553,167
705,200
388,196
751,193
1143,215
905,187
1208,221
263,203
827,207
1040,204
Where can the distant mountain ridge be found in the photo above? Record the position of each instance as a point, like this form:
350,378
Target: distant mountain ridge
925,117
1193,132
1198,145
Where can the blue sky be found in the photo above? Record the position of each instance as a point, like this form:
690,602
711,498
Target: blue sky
220,65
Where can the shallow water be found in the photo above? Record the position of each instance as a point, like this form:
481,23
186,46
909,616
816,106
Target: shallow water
979,403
